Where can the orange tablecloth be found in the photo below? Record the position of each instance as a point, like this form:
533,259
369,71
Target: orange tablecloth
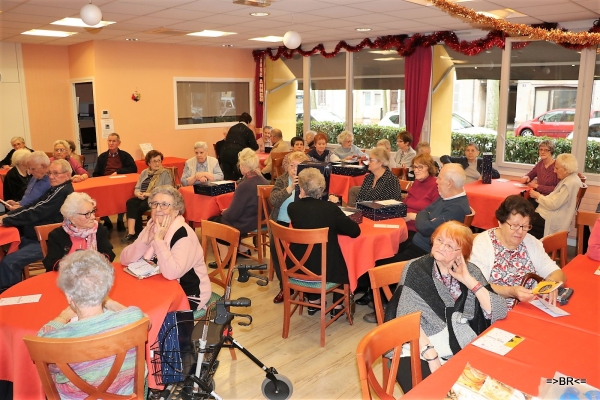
155,296
547,348
3,172
373,244
340,184
10,235
583,306
199,207
485,200
262,158
167,162
110,192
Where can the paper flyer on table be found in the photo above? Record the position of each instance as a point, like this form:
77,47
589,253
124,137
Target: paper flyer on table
9,301
142,269
546,287
522,185
501,180
116,176
548,308
597,272
388,226
498,341
390,202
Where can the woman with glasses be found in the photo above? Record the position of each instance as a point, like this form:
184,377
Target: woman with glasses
444,287
542,177
153,176
379,183
62,151
507,253
173,245
79,231
405,153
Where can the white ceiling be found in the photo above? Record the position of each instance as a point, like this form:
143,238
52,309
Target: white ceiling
318,21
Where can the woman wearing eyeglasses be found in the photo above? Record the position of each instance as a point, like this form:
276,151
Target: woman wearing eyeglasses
62,151
79,231
507,253
173,245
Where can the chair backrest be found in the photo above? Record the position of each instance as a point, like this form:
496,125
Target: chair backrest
582,219
469,218
580,194
50,154
388,336
405,185
211,231
175,178
265,206
277,164
42,232
556,246
62,352
381,278
80,158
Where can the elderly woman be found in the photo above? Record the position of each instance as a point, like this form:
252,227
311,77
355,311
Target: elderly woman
86,277
319,153
310,212
239,137
153,176
385,144
16,143
472,164
17,178
347,151
444,287
309,138
79,231
282,195
297,144
202,168
380,183
424,190
405,153
173,246
507,253
543,172
556,210
62,151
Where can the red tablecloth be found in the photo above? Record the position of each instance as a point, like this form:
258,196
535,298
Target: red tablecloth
373,244
547,348
155,296
10,235
110,192
262,158
3,172
340,184
167,162
485,200
199,207
583,306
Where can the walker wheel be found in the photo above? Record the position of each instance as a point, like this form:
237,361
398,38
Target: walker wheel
282,391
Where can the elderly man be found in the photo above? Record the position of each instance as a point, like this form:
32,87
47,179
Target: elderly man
279,146
112,162
37,164
17,143
46,210
265,140
202,168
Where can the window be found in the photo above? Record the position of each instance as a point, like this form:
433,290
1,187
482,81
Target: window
206,101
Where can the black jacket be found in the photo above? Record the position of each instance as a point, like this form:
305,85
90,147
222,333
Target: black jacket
59,245
239,137
462,160
15,185
8,159
128,164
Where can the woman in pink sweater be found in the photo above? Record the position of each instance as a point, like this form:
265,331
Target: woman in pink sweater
423,192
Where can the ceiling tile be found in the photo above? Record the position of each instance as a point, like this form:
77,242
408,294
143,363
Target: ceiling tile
121,7
153,21
338,12
214,6
7,5
298,6
386,6
57,12
415,13
180,14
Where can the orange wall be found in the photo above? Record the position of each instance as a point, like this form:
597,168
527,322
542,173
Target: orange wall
48,94
81,60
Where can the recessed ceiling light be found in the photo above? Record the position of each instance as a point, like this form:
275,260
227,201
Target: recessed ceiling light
209,33
79,23
227,45
44,32
363,29
132,39
388,59
268,39
259,14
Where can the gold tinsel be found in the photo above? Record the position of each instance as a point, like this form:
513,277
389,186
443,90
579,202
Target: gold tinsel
553,35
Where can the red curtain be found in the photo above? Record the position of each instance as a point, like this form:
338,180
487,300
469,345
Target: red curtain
259,91
417,78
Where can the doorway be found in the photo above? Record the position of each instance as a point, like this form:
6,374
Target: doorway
84,103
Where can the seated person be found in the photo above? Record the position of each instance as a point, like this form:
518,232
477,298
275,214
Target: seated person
379,183
593,249
17,143
45,210
173,245
405,153
309,138
310,212
556,210
297,144
507,253
472,164
153,176
279,146
37,165
444,286
86,277
424,148
385,144
202,168
319,153
265,139
347,151
17,178
72,149
62,151
79,231
542,176
423,191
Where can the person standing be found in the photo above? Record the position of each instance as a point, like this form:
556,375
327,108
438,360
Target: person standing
239,137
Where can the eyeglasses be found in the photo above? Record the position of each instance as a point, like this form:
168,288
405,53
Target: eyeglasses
88,215
158,160
163,206
443,246
52,173
543,150
60,150
516,227
419,167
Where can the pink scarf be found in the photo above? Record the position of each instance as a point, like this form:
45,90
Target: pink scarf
177,223
89,234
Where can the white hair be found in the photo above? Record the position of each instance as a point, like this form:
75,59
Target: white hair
200,145
74,202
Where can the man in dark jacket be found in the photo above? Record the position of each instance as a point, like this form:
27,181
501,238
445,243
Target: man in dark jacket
471,163
46,210
112,162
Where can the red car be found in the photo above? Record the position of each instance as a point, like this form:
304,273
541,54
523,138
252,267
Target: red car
554,123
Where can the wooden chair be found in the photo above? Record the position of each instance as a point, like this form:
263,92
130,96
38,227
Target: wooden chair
298,280
260,236
580,194
469,218
62,352
377,343
582,219
264,204
556,247
381,278
396,171
277,164
405,185
175,177
42,232
50,154
80,158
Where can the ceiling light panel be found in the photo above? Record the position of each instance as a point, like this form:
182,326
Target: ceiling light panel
272,39
79,23
209,33
48,33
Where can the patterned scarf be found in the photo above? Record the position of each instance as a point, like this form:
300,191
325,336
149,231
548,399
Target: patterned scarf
87,233
154,177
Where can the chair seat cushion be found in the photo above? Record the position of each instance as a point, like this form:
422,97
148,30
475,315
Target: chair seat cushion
312,284
201,313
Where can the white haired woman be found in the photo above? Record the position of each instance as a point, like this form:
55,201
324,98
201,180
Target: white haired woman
348,151
309,138
79,231
86,277
173,246
556,210
17,179
17,142
202,168
62,151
